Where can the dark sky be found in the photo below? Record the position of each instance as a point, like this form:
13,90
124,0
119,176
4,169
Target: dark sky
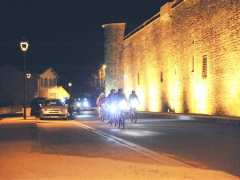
65,34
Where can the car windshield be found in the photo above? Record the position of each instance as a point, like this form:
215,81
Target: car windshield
54,102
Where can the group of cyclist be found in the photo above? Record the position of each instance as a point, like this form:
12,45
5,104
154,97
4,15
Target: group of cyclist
115,108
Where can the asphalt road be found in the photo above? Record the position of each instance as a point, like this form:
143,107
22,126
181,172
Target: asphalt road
86,148
204,144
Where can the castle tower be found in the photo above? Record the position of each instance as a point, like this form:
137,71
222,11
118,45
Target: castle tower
113,47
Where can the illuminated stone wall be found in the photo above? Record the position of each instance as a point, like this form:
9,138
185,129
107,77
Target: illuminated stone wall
164,60
113,46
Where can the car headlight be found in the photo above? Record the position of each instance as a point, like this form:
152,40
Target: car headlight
78,104
43,110
86,104
65,111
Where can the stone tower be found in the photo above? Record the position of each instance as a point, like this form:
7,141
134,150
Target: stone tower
113,48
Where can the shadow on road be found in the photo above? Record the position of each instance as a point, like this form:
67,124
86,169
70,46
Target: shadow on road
65,138
17,132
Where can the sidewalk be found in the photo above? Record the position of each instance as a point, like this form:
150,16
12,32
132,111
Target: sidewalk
14,118
10,115
229,120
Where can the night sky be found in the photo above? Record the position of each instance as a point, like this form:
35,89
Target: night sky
65,34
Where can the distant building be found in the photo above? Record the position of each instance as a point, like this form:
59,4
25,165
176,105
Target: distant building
47,85
42,85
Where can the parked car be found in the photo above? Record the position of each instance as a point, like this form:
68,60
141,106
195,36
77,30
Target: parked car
36,105
53,108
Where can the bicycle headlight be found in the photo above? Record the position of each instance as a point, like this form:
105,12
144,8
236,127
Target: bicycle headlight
123,105
112,108
133,103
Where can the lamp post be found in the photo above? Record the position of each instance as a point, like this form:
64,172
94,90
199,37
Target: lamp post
24,45
28,86
69,87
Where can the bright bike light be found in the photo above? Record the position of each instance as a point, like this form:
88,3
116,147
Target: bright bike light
134,103
123,105
112,108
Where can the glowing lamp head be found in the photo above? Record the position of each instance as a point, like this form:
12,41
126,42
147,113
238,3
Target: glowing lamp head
24,45
28,75
104,66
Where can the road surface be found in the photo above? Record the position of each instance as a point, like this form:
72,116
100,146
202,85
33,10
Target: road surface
197,142
88,149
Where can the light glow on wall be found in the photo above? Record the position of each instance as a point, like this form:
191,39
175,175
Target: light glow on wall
175,96
141,96
153,84
230,85
233,96
201,95
153,95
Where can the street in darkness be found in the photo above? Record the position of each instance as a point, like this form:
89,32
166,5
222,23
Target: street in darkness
86,148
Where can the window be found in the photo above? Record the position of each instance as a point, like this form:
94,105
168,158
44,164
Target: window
161,76
41,82
45,83
138,79
204,67
51,82
55,82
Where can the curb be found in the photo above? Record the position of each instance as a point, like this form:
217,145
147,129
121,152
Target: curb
228,120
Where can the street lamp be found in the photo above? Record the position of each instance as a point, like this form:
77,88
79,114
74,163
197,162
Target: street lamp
28,75
104,66
24,45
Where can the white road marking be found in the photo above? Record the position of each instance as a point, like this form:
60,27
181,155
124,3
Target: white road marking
157,157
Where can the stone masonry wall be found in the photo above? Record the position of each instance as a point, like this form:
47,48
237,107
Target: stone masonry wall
113,46
188,59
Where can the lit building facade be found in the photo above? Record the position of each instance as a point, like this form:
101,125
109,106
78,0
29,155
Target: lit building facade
185,59
47,85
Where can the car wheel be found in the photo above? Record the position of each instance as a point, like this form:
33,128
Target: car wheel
40,117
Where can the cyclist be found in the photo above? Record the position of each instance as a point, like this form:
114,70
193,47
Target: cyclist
100,104
122,108
134,102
